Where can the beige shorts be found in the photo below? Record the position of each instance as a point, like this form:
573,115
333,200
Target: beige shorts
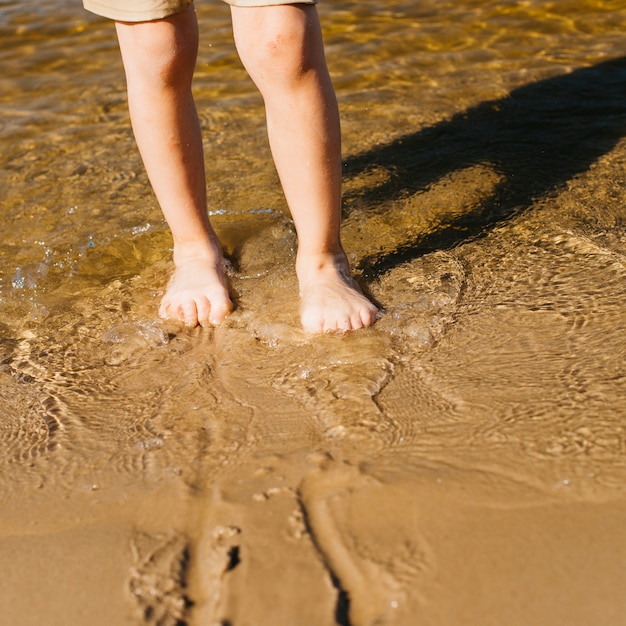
146,10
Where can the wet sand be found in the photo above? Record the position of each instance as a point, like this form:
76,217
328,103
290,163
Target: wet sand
461,463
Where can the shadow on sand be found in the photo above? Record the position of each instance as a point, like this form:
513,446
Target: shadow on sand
537,138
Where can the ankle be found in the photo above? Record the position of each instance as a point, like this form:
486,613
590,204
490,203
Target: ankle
312,265
209,250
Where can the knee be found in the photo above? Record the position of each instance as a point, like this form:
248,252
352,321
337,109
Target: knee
162,52
281,52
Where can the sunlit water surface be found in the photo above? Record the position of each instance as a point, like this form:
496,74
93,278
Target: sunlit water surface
484,210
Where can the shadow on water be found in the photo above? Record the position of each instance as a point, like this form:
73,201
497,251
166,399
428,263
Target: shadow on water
537,138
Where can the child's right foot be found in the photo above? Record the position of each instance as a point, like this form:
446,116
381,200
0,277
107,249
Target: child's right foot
197,292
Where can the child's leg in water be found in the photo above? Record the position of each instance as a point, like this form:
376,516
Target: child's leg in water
159,59
282,49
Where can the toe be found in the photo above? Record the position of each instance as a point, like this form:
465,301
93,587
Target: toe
164,310
367,316
311,323
219,312
203,310
188,313
343,325
357,321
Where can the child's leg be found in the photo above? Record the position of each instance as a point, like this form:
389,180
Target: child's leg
159,59
282,49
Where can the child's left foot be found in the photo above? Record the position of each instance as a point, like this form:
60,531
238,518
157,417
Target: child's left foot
331,300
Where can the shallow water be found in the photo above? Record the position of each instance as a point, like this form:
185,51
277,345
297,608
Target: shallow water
485,208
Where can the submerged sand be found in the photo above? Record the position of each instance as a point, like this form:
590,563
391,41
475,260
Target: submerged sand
460,463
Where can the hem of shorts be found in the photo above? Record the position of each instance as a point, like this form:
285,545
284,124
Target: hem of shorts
266,3
128,16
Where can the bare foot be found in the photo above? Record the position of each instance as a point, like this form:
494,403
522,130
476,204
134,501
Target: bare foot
197,292
330,299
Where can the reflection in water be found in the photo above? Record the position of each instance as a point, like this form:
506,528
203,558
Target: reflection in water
485,209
